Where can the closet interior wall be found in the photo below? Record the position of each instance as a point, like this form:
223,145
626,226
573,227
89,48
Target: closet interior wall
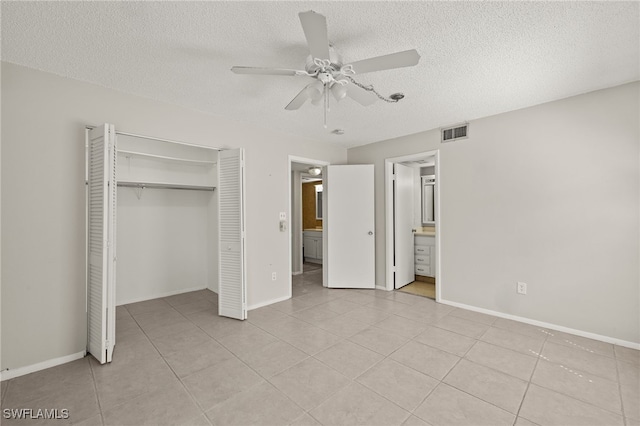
167,238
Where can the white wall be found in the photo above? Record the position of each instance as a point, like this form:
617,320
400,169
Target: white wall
43,206
162,243
548,195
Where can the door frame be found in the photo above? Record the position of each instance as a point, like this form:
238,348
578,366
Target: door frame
311,162
389,231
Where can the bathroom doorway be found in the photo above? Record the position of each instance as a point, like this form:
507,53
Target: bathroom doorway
306,230
413,224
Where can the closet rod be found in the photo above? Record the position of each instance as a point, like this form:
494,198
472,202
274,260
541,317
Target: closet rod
165,186
160,139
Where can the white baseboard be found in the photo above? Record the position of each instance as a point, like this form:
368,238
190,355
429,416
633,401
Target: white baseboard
21,371
158,295
268,302
589,335
296,273
381,287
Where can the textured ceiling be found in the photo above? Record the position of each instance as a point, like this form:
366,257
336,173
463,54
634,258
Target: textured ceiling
477,58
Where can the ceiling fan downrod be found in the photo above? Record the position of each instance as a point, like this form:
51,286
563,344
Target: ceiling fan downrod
326,105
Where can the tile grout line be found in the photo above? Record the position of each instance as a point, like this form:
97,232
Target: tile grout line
573,397
95,388
615,360
393,402
524,395
621,413
322,401
441,381
343,339
167,364
385,357
5,392
475,396
264,379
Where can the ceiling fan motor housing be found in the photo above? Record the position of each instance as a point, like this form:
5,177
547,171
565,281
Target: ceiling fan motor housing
325,77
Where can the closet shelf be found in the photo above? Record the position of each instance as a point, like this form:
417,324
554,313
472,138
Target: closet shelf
165,157
158,185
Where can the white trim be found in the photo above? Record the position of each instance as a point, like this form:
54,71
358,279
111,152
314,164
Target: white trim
588,335
388,214
167,294
388,201
381,287
303,160
28,369
438,227
268,302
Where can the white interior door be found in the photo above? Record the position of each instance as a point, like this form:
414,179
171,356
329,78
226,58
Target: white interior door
232,285
101,198
403,191
349,224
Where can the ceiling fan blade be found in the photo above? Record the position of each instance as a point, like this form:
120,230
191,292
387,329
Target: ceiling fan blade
267,71
407,58
361,96
314,26
299,100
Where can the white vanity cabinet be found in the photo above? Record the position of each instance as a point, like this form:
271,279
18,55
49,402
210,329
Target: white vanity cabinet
312,243
425,255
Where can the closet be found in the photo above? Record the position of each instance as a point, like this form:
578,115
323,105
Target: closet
163,218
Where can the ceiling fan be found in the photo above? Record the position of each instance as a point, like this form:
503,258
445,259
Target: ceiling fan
325,66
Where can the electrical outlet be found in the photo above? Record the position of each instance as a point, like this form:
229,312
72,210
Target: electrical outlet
522,288
283,216
273,276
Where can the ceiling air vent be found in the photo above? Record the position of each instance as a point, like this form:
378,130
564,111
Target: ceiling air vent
459,131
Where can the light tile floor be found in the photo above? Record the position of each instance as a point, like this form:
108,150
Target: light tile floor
336,357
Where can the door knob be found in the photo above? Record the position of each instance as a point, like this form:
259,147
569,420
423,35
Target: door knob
370,232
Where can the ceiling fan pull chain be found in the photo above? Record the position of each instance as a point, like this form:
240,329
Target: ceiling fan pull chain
370,88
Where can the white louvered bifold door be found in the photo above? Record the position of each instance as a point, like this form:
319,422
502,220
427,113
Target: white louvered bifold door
101,242
232,291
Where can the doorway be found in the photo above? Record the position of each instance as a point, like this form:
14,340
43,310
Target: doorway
306,218
413,223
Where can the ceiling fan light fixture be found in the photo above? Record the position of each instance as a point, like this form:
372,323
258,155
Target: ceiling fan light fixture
314,171
314,90
339,91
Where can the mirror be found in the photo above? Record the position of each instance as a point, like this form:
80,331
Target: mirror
319,202
428,200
